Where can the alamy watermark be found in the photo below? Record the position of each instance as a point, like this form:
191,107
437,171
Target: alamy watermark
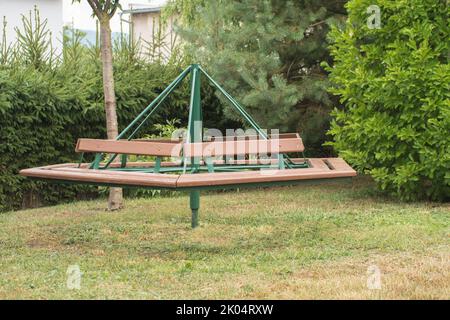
73,277
374,19
373,277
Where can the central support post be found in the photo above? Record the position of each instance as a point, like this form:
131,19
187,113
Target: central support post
195,205
195,134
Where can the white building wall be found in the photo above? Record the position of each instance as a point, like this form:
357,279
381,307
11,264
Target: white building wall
52,10
146,28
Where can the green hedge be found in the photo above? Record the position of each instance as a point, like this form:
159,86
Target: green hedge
394,81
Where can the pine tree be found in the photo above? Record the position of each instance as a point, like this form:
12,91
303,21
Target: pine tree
267,53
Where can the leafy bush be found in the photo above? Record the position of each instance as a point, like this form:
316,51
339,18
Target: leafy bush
394,82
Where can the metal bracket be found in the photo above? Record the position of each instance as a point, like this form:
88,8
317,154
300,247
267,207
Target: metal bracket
157,167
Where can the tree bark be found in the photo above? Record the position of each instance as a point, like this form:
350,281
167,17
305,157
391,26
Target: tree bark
115,200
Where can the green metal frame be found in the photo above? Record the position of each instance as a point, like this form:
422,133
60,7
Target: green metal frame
194,134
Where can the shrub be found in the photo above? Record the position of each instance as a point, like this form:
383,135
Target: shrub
394,82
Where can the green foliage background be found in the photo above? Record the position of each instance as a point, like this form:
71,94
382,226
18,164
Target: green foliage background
395,84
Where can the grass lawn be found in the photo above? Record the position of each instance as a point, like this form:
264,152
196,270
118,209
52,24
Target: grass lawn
291,242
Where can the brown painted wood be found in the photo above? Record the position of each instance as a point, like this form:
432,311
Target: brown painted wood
261,176
158,140
337,164
318,164
149,148
243,147
103,176
254,137
319,170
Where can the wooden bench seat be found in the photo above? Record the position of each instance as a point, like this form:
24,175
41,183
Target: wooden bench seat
319,169
117,175
245,145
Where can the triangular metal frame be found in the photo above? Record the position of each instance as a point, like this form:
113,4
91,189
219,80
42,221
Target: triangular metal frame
195,70
195,110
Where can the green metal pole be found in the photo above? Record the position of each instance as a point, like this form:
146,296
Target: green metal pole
246,115
195,205
195,126
154,102
195,134
161,100
150,109
195,111
236,104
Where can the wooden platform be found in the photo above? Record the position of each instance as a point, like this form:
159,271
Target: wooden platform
70,172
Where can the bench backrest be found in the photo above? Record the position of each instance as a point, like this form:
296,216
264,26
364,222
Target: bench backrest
166,148
243,147
163,148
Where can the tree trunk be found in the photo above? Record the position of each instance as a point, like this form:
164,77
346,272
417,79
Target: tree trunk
115,200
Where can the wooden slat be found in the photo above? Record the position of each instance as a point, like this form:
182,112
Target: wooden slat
103,177
158,140
337,164
149,148
318,163
270,161
254,137
241,147
230,178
